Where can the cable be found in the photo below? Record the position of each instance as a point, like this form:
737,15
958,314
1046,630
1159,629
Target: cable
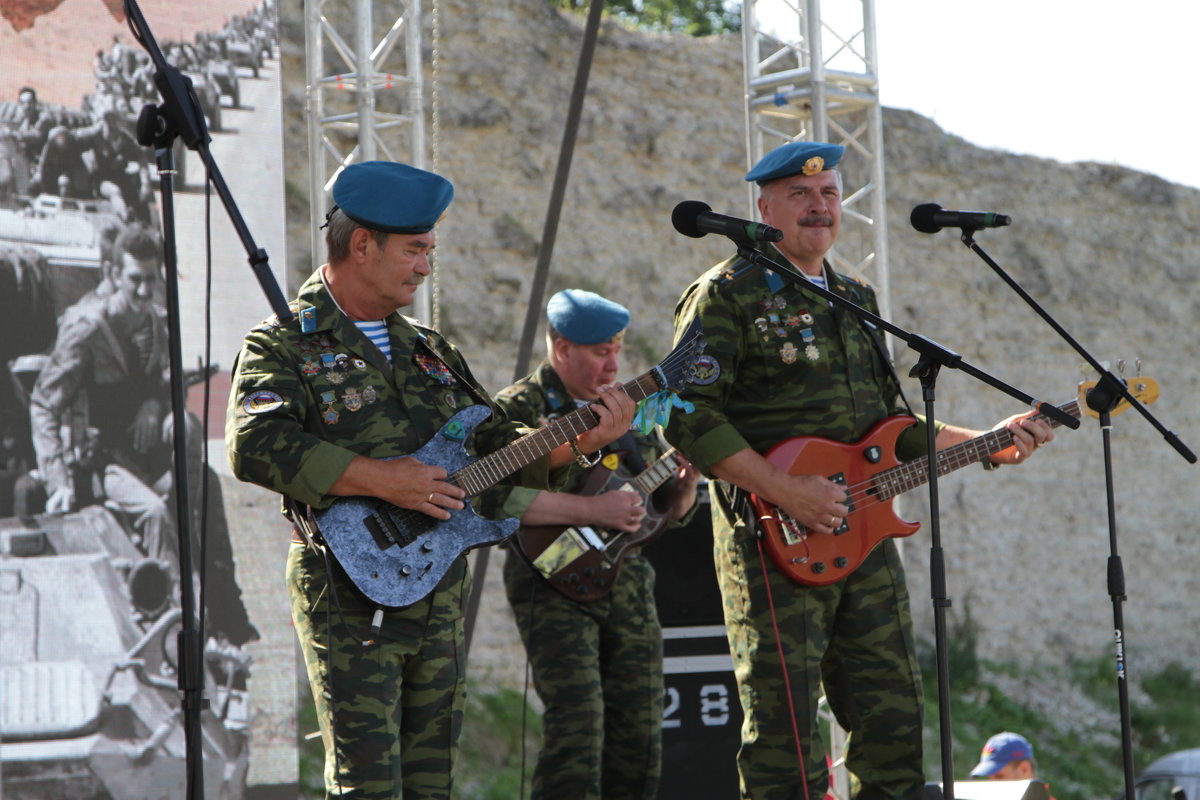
787,683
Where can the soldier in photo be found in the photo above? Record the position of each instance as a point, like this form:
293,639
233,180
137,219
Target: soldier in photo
331,405
597,662
98,406
781,362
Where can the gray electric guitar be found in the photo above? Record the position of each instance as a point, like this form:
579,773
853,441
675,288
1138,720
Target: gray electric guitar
395,556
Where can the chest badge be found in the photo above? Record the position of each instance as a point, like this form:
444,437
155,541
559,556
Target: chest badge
434,368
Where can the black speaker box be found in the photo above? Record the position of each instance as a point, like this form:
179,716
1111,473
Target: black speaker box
702,717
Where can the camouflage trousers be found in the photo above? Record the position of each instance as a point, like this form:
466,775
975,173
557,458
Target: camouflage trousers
390,712
597,668
853,637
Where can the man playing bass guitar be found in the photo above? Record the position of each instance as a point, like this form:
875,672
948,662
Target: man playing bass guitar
779,362
596,656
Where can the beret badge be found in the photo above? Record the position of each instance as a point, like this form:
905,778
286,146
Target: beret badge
813,165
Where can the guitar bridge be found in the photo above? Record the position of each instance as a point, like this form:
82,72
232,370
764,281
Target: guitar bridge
793,532
387,530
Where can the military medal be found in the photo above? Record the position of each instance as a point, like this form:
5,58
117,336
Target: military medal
352,399
449,400
779,329
329,415
810,351
788,353
434,369
369,395
310,367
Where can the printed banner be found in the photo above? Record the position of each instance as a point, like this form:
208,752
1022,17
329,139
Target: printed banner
90,556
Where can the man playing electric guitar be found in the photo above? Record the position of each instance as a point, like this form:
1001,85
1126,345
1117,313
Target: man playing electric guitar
330,405
779,363
597,665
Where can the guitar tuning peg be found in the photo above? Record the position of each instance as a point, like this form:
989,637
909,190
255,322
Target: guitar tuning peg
1121,365
1137,366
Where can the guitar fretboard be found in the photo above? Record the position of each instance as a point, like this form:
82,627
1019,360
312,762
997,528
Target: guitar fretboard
495,467
657,474
911,474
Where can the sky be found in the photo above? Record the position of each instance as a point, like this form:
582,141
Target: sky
1073,80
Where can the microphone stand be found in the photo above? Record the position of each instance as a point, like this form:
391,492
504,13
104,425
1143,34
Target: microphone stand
932,357
1103,398
180,115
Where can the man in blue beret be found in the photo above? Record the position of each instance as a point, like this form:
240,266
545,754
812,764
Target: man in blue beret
780,362
330,405
589,622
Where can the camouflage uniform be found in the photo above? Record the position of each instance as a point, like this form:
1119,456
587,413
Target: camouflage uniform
780,362
597,666
306,399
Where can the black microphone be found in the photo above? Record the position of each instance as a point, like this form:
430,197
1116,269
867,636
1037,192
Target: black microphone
695,219
931,218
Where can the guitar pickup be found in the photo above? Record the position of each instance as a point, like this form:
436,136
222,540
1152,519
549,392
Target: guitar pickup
840,479
386,530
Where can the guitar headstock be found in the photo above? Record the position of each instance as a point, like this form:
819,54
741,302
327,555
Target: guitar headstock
679,366
1141,388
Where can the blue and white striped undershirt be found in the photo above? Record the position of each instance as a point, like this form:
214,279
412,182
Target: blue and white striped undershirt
376,330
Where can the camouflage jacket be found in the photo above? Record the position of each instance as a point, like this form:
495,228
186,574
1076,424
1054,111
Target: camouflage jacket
309,396
780,362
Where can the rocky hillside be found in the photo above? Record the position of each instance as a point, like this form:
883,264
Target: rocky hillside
1109,252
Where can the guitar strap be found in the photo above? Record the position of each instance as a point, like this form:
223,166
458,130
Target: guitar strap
873,335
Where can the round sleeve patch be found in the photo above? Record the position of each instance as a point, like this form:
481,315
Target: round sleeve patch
261,402
706,371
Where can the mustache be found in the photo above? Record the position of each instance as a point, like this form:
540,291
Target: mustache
820,221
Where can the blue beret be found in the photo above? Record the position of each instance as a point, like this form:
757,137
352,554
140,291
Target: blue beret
794,158
392,198
586,317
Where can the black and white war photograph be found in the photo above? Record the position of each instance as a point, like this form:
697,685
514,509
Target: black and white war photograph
599,400
90,608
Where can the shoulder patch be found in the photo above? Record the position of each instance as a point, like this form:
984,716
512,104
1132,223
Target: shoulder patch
261,401
706,370
267,324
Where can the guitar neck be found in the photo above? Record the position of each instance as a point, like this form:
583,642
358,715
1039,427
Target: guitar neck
911,474
658,473
495,467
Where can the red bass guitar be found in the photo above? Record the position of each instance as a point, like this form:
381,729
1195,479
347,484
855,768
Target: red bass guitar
873,477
